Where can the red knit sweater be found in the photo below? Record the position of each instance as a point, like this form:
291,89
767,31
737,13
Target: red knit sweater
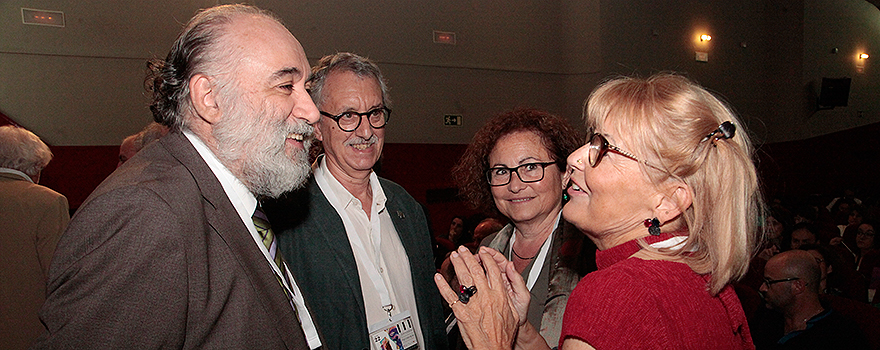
631,303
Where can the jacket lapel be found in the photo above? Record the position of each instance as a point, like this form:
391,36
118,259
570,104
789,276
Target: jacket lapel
332,232
224,220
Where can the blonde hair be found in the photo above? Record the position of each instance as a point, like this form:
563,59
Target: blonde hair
671,122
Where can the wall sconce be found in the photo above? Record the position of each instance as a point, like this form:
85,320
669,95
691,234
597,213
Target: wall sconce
861,59
701,47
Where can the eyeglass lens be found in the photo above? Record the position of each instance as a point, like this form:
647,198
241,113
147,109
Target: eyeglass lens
350,121
530,172
598,148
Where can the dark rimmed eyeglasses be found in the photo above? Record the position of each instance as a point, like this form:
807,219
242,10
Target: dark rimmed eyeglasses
599,146
351,120
770,282
529,172
868,233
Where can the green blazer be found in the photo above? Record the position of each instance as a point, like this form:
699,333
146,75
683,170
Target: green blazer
312,238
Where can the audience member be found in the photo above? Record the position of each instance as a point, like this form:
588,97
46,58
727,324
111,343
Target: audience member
171,251
32,218
840,211
837,298
848,196
838,276
803,233
847,234
447,239
807,210
485,228
776,227
791,287
455,228
362,247
868,257
134,143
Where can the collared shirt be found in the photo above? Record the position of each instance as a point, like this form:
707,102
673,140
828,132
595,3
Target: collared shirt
382,247
16,172
245,203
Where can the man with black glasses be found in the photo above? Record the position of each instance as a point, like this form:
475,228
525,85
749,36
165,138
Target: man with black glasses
791,287
359,244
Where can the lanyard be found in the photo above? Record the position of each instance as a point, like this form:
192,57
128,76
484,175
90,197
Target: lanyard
538,263
358,246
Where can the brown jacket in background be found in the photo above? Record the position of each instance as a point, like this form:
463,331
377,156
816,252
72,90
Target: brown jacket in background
32,218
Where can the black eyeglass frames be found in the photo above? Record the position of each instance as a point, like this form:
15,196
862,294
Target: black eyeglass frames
529,172
349,121
770,282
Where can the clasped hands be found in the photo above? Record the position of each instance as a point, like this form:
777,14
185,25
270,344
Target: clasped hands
495,310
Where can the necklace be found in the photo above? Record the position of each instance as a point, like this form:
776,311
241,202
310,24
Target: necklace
523,258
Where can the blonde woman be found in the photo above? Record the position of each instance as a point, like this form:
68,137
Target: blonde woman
667,189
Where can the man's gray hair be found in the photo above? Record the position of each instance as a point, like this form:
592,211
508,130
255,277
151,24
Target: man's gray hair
198,49
344,62
21,150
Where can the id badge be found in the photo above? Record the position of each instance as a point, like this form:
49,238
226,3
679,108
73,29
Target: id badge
398,334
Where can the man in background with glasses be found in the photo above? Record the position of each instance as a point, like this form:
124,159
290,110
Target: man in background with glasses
792,287
359,244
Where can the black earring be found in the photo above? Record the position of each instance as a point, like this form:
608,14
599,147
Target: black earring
653,226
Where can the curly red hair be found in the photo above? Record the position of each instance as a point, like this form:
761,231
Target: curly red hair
557,135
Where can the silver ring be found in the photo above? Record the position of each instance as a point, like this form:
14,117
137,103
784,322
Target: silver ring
453,303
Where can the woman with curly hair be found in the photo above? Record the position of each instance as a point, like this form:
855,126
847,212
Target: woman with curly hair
515,167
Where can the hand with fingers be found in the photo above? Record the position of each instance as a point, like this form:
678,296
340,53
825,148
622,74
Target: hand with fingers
527,337
487,317
517,291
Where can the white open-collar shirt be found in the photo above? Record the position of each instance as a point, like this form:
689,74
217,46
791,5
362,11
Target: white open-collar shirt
389,257
245,203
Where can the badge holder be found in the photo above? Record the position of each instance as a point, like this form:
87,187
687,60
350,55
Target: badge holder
398,333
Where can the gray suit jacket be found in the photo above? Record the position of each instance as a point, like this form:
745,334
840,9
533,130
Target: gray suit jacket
157,258
313,239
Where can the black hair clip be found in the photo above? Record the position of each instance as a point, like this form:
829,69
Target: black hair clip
726,129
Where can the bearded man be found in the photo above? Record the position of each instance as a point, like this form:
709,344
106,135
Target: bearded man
171,251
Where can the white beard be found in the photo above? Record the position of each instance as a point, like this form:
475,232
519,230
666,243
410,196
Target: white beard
254,149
